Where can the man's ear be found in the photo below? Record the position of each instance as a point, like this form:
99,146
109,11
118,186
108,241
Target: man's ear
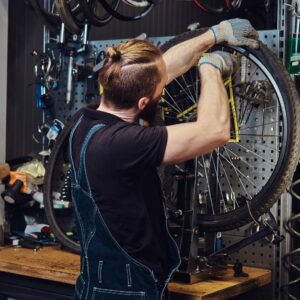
143,102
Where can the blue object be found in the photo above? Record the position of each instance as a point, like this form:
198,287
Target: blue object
218,243
40,90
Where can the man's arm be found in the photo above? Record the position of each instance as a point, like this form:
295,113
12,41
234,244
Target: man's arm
181,57
212,128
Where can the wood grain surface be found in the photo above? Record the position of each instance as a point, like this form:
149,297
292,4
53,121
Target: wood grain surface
51,263
47,263
222,287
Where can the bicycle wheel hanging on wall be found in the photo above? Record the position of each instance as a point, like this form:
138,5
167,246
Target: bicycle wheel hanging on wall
95,13
49,15
71,15
57,182
134,14
254,168
218,6
247,175
140,3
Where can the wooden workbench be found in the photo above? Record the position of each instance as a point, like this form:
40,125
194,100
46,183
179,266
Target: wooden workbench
51,264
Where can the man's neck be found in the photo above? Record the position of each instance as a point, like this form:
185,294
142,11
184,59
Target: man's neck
128,115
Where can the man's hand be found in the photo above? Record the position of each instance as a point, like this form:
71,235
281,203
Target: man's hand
222,61
236,32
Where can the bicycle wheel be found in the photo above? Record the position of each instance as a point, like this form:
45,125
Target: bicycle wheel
213,8
49,16
71,15
94,11
247,175
123,17
137,3
233,4
61,220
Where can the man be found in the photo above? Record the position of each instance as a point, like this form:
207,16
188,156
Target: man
126,249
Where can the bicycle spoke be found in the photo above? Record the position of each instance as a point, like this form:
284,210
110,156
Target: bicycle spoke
189,96
248,150
275,122
229,184
217,173
178,109
236,171
76,10
259,135
239,158
249,114
188,85
207,182
195,86
235,168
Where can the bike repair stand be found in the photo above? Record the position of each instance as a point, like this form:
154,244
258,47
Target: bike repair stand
200,257
196,267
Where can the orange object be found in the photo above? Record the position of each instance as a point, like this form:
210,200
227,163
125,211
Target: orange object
4,170
21,176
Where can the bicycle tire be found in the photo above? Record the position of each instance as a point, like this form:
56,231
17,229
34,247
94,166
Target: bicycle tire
49,18
140,3
288,159
233,4
60,146
209,9
73,24
122,17
95,19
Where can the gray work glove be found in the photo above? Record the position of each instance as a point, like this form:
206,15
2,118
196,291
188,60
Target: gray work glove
222,61
236,32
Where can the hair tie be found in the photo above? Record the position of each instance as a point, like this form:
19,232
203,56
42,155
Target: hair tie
113,54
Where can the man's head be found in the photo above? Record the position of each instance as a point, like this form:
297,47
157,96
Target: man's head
133,76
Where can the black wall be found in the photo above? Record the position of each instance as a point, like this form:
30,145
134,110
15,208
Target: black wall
171,17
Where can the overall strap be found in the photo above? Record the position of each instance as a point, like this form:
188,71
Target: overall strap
73,170
82,174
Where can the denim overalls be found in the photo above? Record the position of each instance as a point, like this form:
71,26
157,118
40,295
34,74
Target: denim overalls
107,272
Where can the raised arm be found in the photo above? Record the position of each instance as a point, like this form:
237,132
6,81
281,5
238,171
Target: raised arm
212,127
180,58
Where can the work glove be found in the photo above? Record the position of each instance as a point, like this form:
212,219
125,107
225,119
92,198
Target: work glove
222,61
236,32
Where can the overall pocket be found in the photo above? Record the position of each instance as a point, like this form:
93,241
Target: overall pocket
107,294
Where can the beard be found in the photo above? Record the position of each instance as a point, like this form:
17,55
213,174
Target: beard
149,112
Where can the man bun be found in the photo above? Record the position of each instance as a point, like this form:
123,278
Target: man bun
113,54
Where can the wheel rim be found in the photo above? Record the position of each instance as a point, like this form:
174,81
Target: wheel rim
211,8
233,187
136,3
122,17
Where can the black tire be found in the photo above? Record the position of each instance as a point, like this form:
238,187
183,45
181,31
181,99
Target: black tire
74,21
51,19
93,17
59,154
123,17
209,8
289,152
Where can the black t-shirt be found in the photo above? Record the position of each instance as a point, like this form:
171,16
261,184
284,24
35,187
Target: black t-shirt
121,161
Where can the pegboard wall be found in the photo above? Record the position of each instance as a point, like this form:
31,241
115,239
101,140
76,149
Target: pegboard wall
94,49
261,253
